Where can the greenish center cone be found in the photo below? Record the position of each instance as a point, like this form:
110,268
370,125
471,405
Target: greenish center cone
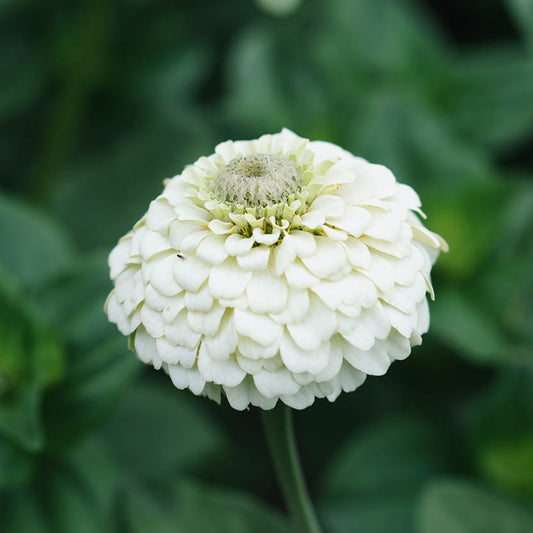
258,180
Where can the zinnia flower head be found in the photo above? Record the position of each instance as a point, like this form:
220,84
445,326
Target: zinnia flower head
275,269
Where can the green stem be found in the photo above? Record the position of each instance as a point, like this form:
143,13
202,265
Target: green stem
279,431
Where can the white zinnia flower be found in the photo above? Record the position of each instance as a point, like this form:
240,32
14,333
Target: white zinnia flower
275,268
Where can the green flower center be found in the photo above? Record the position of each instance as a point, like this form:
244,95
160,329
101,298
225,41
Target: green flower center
258,180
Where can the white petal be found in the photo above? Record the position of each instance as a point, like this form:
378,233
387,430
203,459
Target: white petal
252,350
422,311
213,392
211,250
299,360
373,323
220,228
304,243
125,284
117,315
179,332
145,347
326,151
234,303
206,323
238,397
406,196
237,244
328,205
160,215
199,301
255,259
266,292
357,252
159,301
186,378
191,242
381,273
425,236
250,366
299,277
383,179
335,293
374,362
172,309
223,372
228,280
396,345
404,323
350,378
257,399
301,400
334,361
179,230
317,325
266,238
259,328
152,321
328,258
355,220
296,308
277,383
172,354
335,234
313,219
384,226
341,172
367,290
119,256
192,213
190,273
406,298
152,244
226,150
284,255
224,343
162,277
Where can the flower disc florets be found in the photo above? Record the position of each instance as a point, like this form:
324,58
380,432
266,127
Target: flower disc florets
275,269
258,180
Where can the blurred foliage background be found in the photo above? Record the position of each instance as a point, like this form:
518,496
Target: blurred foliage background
100,100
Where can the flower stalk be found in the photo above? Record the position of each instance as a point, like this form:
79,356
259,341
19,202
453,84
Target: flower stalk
279,430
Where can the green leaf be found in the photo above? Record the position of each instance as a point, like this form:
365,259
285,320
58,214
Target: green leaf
31,358
94,382
256,86
33,249
22,511
158,431
375,480
197,508
74,302
20,418
493,103
228,512
16,465
142,512
522,11
500,426
98,476
509,464
463,324
69,507
479,205
461,507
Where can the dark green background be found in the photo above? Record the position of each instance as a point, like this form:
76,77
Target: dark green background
101,100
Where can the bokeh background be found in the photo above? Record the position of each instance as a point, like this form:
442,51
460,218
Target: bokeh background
100,100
